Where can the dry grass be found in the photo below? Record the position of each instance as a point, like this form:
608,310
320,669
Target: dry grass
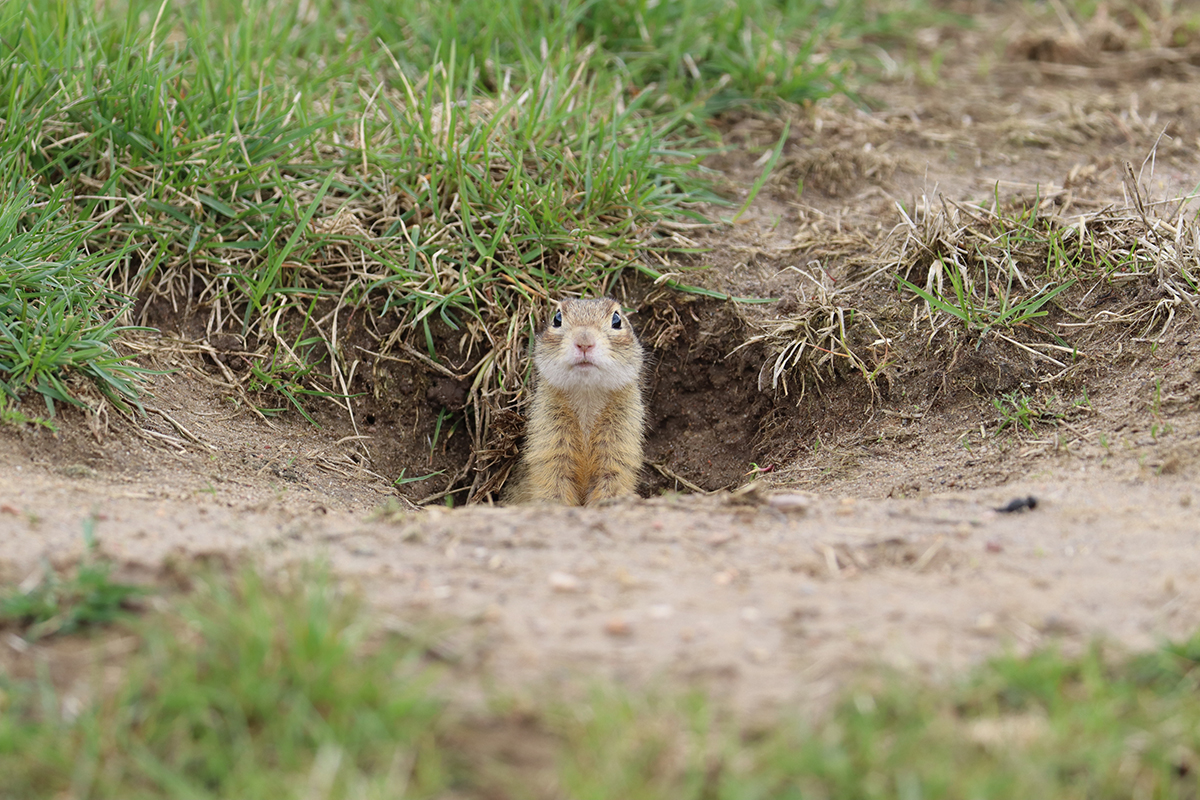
1117,40
1020,276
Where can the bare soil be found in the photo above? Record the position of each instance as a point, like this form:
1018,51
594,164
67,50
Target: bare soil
875,536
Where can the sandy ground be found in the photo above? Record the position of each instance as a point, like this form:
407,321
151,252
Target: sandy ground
885,547
764,597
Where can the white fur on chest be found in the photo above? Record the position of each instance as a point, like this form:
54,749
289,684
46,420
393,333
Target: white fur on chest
587,405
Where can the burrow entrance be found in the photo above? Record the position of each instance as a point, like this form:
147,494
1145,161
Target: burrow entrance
706,410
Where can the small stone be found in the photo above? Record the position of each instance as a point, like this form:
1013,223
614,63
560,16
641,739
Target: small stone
661,611
992,546
564,582
789,503
759,654
723,578
626,580
750,614
618,626
985,622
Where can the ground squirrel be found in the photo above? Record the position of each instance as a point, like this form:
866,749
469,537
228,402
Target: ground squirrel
584,436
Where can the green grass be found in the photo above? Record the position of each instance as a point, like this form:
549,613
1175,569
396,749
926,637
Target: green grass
1004,273
57,316
87,598
1018,410
251,689
247,690
1044,726
1052,726
422,172
981,310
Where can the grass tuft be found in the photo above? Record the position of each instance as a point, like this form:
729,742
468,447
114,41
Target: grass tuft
248,690
58,318
1006,269
89,598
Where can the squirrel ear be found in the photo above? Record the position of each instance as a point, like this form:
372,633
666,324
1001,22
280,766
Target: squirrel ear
557,322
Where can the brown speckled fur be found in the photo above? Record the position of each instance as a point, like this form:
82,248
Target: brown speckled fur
584,435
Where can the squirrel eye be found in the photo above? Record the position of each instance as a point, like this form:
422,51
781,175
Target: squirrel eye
616,322
557,323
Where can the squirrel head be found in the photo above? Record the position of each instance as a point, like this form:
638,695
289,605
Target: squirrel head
588,345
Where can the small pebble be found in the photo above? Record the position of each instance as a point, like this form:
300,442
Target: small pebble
618,626
993,546
789,503
661,611
625,579
564,582
759,654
